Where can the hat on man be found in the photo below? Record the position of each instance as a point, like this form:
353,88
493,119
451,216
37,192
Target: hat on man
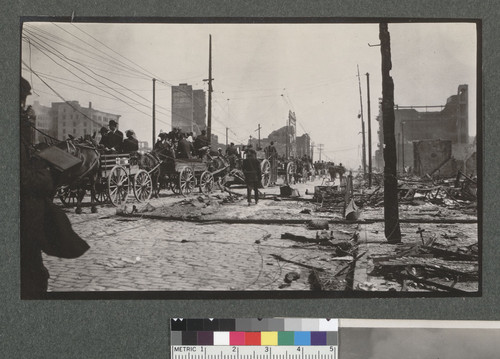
25,87
112,123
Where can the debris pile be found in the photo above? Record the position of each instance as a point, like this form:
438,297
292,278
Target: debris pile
429,266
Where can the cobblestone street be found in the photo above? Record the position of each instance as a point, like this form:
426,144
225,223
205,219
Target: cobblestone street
200,243
134,254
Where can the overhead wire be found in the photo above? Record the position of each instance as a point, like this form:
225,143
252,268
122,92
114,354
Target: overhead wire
65,58
85,51
90,84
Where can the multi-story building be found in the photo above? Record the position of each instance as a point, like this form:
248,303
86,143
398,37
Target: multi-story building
303,145
416,123
69,118
45,123
188,108
75,120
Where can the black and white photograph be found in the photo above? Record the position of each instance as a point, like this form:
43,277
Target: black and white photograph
240,159
418,339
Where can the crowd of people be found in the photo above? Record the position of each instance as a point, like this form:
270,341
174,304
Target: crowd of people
112,139
185,145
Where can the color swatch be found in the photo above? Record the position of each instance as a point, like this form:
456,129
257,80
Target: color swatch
254,332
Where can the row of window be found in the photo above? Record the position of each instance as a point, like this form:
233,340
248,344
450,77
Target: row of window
100,119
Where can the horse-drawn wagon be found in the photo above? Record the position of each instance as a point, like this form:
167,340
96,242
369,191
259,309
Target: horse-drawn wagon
236,175
183,175
286,170
116,179
119,176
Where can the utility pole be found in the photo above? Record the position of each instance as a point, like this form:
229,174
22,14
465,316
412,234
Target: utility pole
209,116
320,148
287,139
154,119
312,151
226,135
403,145
258,129
362,124
369,132
391,210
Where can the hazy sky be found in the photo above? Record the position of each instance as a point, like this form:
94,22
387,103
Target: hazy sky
260,71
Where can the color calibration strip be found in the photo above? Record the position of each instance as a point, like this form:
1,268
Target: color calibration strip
254,332
274,338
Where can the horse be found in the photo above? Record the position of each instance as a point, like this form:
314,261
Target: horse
85,173
158,162
334,170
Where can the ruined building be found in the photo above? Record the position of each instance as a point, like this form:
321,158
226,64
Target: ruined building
432,142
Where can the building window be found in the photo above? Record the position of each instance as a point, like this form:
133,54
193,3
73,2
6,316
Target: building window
64,131
74,123
74,131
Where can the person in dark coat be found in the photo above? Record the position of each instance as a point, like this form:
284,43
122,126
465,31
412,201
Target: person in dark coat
252,172
115,137
44,226
201,140
104,137
185,148
130,144
36,186
232,155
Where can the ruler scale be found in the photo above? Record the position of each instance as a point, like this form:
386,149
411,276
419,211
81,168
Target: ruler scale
248,338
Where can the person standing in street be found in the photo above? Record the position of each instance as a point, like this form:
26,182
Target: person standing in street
252,172
232,154
272,155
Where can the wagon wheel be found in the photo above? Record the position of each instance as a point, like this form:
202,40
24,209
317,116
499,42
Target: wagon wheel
101,195
143,186
70,196
187,181
118,184
265,169
290,173
206,182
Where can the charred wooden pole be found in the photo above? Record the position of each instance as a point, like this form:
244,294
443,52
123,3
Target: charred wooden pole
362,124
210,89
391,210
154,113
369,132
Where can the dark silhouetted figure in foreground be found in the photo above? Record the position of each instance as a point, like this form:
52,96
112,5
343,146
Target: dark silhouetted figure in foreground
252,172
